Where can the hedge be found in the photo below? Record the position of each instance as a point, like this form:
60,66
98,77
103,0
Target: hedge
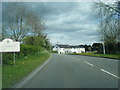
25,50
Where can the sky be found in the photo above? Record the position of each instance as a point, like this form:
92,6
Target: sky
71,23
68,22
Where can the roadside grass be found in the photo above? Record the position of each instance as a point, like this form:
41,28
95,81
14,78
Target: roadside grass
11,74
99,55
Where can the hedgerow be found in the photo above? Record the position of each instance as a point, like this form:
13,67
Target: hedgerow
25,50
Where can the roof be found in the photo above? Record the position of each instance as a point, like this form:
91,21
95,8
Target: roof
63,46
77,46
69,46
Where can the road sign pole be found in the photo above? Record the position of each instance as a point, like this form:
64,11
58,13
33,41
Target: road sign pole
103,48
14,59
1,59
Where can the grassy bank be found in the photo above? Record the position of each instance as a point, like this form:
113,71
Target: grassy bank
24,66
99,55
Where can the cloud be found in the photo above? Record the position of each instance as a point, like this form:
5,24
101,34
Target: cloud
73,23
67,22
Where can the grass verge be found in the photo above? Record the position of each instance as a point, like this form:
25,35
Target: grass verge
11,74
99,55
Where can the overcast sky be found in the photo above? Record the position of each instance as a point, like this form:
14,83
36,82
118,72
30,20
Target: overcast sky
68,22
71,23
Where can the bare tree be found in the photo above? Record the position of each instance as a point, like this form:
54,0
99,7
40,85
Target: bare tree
22,22
36,23
108,14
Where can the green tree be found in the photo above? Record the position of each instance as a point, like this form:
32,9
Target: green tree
98,47
38,40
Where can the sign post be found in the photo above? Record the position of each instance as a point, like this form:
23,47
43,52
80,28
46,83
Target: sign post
1,58
14,59
8,45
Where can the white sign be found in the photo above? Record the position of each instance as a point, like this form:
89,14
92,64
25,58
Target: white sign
7,45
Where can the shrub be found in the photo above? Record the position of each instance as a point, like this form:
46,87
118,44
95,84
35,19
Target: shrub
25,50
7,57
54,51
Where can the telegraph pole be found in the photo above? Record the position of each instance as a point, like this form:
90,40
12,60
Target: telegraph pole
103,42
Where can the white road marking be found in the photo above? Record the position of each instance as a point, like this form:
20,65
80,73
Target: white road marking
100,69
84,61
23,82
88,63
76,58
110,73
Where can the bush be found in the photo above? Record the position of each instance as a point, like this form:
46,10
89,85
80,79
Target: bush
54,51
25,50
113,48
7,57
110,48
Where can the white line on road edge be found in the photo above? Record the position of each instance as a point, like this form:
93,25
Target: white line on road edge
20,84
88,63
110,73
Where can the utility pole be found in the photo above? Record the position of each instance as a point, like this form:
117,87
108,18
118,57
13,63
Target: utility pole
103,47
103,42
118,20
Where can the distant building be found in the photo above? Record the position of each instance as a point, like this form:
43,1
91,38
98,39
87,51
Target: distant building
60,48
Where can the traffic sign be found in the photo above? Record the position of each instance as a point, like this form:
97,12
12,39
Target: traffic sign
8,45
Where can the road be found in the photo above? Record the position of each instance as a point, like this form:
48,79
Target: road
75,71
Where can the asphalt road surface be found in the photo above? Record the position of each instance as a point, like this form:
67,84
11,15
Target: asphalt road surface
75,71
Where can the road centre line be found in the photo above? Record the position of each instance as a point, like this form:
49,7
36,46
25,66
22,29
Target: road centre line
110,73
76,60
84,62
100,69
88,63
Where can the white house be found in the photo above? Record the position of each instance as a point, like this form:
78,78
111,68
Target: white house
68,48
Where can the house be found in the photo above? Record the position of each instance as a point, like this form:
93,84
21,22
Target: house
60,48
